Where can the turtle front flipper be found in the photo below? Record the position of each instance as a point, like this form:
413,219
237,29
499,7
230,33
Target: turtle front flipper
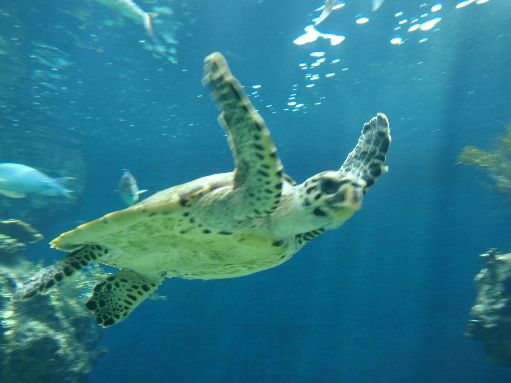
119,294
51,275
258,173
367,161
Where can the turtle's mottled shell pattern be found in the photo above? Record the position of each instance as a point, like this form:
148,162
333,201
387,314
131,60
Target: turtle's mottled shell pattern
167,232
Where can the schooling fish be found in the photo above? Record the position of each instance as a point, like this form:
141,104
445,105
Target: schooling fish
17,180
128,188
129,9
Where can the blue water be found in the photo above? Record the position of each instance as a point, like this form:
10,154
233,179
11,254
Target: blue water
386,297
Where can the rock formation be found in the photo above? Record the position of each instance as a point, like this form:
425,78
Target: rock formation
492,310
51,338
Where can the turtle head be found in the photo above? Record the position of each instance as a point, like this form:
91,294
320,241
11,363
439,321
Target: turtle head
330,198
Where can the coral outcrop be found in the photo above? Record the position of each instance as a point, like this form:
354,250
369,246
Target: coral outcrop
492,310
49,338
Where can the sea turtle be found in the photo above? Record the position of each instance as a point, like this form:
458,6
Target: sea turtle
220,226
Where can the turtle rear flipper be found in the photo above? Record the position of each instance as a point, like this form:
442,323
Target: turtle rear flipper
119,294
367,161
51,275
258,173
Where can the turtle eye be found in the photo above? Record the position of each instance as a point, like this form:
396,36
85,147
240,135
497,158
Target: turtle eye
328,186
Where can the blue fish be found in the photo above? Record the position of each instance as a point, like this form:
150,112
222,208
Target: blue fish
17,180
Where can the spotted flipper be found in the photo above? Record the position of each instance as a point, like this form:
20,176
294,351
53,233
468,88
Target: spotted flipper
258,173
119,294
367,161
51,275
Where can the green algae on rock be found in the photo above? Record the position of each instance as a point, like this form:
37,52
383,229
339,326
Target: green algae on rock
496,163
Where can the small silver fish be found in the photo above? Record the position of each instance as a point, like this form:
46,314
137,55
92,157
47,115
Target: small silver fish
376,4
128,188
129,9
327,9
18,180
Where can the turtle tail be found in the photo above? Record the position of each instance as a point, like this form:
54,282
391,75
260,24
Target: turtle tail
367,161
49,276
